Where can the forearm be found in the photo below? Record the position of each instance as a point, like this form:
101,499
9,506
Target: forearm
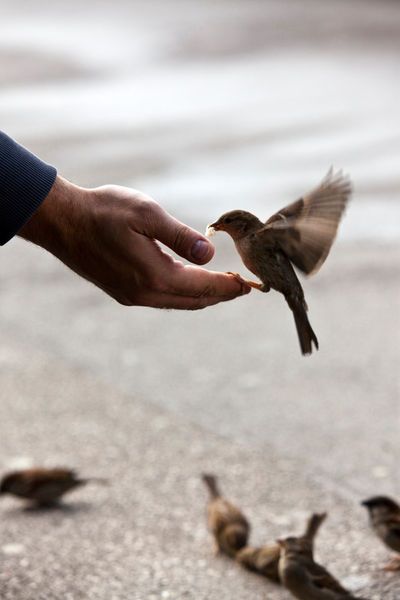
56,222
25,181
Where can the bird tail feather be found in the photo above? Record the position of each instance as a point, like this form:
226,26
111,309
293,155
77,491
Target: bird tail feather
211,484
98,480
313,525
305,332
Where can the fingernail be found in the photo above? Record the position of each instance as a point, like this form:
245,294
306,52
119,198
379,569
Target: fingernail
200,249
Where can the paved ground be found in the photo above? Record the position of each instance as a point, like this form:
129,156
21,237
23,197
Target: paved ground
151,399
83,381
144,536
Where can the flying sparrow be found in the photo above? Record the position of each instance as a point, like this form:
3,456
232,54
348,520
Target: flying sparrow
265,560
301,233
306,579
384,516
42,486
227,523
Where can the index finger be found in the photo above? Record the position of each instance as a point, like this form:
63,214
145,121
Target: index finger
188,280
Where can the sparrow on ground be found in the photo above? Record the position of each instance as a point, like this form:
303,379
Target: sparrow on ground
301,233
265,560
384,516
42,486
227,523
306,579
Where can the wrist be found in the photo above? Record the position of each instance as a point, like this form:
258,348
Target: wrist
55,219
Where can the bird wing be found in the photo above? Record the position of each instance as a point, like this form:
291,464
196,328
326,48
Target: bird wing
262,560
306,229
393,526
38,476
44,484
234,514
221,513
389,522
393,520
323,579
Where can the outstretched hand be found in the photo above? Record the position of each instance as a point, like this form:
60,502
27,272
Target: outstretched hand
109,236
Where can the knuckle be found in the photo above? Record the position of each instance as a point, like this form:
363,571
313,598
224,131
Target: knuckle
207,291
180,237
146,206
145,212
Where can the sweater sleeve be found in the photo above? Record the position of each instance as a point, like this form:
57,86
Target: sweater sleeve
25,181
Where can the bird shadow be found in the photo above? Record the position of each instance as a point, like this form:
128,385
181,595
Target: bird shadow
60,508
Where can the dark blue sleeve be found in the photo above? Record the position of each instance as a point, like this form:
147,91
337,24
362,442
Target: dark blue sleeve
25,182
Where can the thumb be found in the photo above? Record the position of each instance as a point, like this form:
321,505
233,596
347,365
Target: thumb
184,240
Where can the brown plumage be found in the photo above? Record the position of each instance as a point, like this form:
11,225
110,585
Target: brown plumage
265,560
226,522
300,234
40,485
384,516
305,578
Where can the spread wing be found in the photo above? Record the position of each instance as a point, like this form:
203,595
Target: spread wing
306,229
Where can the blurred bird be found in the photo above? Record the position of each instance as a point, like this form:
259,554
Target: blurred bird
42,486
301,233
306,579
384,516
265,560
226,522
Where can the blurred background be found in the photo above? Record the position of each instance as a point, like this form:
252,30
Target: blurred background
206,106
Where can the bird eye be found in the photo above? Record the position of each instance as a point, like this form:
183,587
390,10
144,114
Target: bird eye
228,219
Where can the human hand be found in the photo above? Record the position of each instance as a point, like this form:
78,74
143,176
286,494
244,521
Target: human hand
109,236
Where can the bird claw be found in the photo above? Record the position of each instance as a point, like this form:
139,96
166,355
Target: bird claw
254,284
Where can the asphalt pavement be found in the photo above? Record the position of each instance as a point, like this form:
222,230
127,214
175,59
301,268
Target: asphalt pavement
151,399
207,107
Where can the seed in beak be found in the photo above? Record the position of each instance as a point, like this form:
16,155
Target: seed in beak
210,231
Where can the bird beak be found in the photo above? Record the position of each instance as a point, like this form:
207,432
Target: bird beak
280,542
216,225
213,228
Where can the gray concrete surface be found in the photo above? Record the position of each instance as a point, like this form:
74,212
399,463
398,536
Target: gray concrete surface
151,399
144,536
205,106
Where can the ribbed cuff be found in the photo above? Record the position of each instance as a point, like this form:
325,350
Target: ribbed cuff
25,181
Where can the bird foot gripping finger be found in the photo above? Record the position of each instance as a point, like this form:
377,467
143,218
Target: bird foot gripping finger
253,284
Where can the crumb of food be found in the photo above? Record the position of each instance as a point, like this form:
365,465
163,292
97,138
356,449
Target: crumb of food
210,231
